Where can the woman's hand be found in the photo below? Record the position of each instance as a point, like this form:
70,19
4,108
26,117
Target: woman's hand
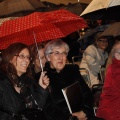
44,80
80,115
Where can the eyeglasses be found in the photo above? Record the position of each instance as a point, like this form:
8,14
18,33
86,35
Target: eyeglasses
21,56
103,41
58,53
118,52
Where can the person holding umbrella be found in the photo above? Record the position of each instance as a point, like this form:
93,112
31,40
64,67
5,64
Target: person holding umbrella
62,75
18,91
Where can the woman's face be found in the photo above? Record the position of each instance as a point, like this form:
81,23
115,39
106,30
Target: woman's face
21,61
57,58
102,43
37,61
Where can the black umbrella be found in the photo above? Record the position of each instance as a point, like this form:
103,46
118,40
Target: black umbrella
75,8
91,32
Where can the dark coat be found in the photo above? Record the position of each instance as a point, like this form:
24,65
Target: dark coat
56,107
12,101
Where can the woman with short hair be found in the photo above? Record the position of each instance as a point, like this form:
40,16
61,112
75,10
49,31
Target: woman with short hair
94,57
62,75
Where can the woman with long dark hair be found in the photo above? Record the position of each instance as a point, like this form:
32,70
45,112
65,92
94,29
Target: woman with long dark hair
18,91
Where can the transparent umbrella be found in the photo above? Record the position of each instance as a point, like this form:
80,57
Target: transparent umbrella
102,9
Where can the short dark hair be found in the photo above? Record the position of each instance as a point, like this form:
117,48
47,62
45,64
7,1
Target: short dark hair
102,37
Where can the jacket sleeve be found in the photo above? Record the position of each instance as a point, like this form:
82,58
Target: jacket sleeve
90,57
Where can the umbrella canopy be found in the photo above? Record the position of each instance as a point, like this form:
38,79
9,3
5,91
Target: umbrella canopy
75,8
6,19
45,25
112,30
10,8
91,32
102,9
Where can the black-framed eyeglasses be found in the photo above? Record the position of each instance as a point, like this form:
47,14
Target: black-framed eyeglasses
58,53
21,56
103,41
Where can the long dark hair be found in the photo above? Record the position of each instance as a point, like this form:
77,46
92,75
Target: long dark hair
7,68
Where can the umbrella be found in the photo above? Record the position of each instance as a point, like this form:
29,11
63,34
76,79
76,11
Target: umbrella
75,8
6,19
45,25
112,30
102,9
91,32
10,8
49,4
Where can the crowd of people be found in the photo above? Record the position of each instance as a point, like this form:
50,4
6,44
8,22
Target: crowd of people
24,86
32,78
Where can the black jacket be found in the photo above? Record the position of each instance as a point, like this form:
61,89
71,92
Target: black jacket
12,101
56,107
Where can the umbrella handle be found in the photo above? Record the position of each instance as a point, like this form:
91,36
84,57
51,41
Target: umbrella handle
38,51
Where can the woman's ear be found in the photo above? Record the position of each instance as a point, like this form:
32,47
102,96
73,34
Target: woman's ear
117,56
96,42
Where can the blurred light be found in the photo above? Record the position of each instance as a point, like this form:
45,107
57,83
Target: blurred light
82,29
